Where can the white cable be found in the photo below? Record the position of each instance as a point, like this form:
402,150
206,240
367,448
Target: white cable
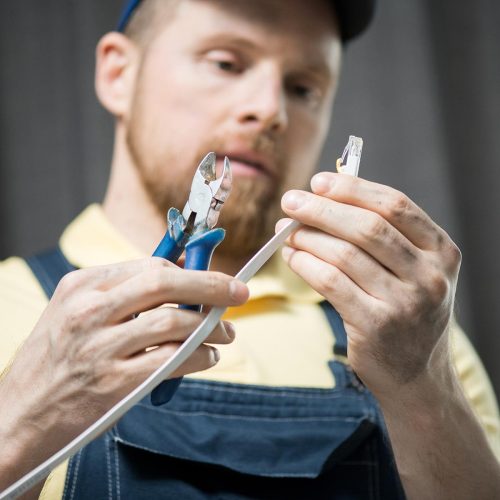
351,158
163,372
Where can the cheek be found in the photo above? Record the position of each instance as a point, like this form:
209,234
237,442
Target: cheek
169,122
187,97
171,99
305,141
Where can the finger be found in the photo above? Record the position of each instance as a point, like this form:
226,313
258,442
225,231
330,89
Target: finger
162,325
352,303
394,206
141,366
160,286
103,278
360,267
365,229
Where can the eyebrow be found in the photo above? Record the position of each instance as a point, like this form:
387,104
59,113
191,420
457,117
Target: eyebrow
230,39
314,65
320,69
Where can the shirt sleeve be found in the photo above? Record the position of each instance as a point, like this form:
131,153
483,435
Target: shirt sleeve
476,386
22,301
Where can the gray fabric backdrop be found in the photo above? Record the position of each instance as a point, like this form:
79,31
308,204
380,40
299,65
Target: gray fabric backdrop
422,88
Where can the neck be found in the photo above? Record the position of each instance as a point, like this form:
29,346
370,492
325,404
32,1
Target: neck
127,204
129,208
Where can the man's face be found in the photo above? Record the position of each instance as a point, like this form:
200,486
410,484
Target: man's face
251,80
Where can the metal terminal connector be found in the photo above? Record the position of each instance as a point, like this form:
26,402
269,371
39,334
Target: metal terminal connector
348,163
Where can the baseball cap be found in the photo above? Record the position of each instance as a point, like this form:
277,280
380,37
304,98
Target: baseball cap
354,16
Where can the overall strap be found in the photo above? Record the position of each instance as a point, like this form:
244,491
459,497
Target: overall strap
49,267
337,326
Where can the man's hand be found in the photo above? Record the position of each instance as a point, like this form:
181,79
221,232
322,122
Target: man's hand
88,350
388,269
391,273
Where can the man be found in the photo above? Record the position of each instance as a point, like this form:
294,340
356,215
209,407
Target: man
280,416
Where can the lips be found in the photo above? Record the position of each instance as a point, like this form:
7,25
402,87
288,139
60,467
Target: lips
250,164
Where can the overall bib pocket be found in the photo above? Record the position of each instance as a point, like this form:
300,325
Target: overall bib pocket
252,430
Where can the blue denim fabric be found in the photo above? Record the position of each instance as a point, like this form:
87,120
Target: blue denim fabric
238,441
218,440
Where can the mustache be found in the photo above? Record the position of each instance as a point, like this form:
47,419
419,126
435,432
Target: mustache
262,143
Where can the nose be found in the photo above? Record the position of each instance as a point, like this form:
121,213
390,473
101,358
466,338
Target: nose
263,106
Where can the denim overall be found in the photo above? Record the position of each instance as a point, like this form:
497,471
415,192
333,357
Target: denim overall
239,441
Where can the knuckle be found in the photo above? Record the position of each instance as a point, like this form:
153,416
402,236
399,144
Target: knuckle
217,282
347,254
328,279
159,282
157,263
373,227
91,307
83,313
454,254
71,282
322,209
167,321
397,205
438,287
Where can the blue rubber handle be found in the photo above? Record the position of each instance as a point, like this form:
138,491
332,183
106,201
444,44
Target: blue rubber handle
199,251
164,392
170,248
172,244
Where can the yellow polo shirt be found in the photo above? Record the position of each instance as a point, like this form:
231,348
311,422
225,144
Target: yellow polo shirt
283,338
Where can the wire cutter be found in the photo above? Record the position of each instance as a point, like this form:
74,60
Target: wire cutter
192,232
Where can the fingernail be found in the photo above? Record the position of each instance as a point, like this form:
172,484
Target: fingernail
293,200
229,328
216,355
321,183
238,291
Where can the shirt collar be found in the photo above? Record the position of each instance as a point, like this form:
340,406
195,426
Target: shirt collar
91,240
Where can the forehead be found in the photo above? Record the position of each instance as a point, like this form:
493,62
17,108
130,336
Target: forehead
304,26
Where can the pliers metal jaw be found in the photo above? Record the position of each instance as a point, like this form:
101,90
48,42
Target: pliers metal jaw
208,194
200,214
193,231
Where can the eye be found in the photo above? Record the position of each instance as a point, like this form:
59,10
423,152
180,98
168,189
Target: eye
302,91
226,65
224,60
305,92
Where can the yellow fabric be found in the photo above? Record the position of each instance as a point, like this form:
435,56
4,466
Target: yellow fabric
281,316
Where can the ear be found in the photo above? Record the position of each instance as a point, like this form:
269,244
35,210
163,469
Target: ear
117,58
